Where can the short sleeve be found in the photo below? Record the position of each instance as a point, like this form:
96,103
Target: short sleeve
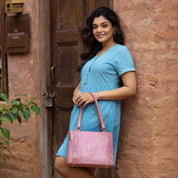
124,61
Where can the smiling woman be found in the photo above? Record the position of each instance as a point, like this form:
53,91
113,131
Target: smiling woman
107,61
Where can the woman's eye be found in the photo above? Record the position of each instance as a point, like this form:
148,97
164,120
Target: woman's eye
105,25
94,27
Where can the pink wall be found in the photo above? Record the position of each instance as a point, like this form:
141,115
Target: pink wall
23,72
148,145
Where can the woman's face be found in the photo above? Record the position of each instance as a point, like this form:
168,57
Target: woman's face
102,29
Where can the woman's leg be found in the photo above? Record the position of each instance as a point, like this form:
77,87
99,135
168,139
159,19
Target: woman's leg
68,172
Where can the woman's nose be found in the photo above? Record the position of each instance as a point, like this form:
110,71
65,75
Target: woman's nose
99,29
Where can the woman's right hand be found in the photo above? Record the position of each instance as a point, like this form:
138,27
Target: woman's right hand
76,95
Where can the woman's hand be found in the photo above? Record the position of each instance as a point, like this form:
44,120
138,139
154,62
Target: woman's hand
76,95
84,99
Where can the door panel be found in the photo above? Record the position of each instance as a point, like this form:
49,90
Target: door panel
93,4
67,18
69,15
65,74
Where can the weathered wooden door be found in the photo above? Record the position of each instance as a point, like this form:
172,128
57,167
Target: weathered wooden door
67,18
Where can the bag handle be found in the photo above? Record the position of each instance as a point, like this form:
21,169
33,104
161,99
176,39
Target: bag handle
103,129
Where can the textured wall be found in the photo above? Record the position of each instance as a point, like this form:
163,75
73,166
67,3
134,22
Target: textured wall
23,77
148,145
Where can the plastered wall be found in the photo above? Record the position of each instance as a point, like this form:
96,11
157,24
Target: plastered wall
23,72
148,146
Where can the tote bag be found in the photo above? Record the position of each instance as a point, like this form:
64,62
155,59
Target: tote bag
88,148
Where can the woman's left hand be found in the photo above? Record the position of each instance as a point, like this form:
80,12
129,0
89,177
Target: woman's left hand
84,99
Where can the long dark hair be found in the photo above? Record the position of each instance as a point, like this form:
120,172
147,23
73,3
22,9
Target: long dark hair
90,45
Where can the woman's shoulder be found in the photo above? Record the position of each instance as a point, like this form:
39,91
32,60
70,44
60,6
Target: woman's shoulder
121,48
121,52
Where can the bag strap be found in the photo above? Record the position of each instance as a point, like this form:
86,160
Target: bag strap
103,129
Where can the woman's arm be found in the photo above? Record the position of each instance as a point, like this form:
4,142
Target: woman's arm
78,86
127,90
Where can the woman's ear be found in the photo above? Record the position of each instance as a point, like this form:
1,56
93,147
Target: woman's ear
114,31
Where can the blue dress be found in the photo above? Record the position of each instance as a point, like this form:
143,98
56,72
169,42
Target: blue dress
100,74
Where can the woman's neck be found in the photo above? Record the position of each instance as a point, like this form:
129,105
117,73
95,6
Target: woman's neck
109,44
106,47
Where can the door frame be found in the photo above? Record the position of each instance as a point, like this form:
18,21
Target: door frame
44,80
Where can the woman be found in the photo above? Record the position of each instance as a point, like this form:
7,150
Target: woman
107,63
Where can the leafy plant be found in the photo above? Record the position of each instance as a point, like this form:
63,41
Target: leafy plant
11,111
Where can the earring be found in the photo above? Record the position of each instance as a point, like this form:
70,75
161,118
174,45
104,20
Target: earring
114,33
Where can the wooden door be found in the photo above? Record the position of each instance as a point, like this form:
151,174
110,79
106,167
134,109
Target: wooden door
67,18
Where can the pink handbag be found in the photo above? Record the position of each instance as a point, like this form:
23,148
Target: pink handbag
90,149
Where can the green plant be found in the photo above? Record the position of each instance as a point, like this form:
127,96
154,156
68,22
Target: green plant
11,111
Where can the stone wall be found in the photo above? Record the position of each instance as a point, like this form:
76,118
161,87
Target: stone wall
23,72
148,146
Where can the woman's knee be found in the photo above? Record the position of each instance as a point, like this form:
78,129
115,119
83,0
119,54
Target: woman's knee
60,165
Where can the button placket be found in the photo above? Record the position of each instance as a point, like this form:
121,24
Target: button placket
89,70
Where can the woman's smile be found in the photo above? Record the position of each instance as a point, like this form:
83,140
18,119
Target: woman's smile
100,35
